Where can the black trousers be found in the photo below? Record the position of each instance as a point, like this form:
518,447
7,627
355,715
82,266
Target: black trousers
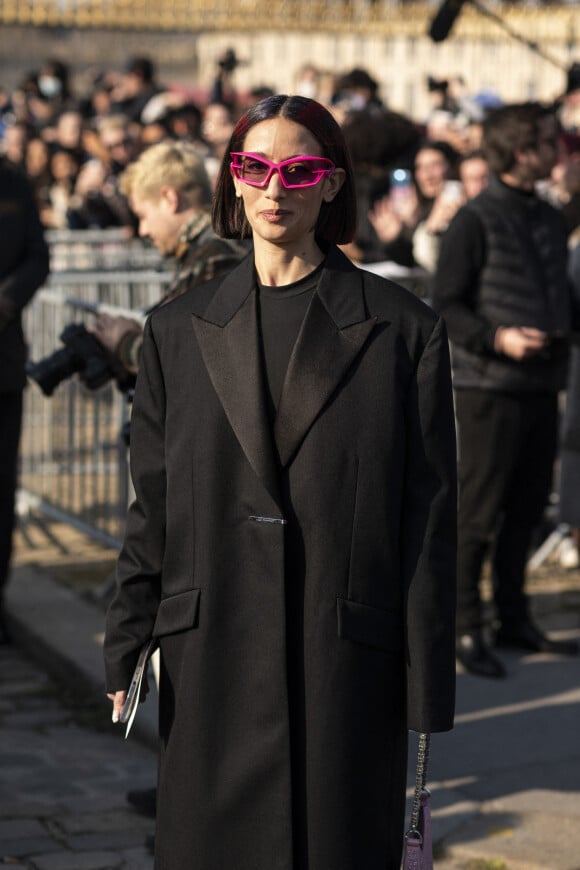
507,447
10,424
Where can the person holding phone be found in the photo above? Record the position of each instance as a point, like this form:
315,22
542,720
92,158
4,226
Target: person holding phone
440,195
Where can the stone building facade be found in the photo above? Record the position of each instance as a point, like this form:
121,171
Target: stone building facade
275,39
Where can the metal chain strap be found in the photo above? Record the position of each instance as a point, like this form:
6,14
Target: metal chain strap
420,779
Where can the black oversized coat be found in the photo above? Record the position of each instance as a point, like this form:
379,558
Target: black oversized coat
300,580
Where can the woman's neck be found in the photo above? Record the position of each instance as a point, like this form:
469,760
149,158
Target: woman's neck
278,266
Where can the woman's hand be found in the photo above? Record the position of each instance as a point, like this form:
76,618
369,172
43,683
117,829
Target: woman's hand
444,209
118,699
385,221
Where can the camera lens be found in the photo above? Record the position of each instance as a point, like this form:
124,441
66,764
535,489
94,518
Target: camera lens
50,371
81,353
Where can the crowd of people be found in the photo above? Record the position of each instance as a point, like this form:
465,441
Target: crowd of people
81,152
74,147
412,176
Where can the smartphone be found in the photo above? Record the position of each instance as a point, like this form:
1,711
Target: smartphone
401,189
400,178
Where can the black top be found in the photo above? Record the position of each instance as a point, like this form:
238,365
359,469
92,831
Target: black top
281,311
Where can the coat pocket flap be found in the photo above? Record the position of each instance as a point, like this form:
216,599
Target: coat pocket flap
369,625
177,613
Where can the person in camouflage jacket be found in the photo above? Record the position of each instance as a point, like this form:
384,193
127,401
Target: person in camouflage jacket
169,191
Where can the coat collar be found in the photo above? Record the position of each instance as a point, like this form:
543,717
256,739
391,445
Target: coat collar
340,290
332,335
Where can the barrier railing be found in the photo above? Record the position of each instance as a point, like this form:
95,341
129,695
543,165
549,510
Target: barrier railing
73,463
72,250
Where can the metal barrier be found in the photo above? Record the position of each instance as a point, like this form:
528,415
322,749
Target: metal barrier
113,248
73,464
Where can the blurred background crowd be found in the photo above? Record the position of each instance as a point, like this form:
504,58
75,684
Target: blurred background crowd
412,173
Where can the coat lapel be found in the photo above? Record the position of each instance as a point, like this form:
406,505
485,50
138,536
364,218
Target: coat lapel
331,337
227,332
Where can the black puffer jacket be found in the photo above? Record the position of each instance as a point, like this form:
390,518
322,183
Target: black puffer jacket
503,263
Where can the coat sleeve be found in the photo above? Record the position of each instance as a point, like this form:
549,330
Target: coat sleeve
429,540
132,613
20,283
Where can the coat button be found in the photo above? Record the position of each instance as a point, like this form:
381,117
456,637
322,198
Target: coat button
276,520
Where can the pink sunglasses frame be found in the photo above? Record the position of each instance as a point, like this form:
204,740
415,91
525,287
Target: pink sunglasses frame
275,167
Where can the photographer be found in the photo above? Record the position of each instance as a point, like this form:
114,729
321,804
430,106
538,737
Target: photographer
222,90
169,191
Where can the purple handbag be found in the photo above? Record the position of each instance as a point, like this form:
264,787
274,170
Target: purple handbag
418,851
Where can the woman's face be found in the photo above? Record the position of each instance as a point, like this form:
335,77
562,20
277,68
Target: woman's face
37,157
431,170
277,215
63,166
217,125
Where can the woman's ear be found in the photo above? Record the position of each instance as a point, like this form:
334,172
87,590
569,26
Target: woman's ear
237,185
333,184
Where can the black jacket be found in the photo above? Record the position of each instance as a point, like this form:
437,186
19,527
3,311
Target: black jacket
503,263
24,264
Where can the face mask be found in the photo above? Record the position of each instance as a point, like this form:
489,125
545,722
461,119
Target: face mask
49,86
357,102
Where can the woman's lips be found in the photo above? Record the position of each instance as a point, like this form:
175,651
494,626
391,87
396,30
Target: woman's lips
274,216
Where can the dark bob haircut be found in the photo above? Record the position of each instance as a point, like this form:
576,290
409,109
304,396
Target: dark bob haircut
337,219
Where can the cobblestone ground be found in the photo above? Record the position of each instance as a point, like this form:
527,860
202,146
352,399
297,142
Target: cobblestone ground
65,769
64,773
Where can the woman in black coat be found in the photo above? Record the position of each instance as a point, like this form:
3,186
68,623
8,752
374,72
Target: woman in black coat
292,541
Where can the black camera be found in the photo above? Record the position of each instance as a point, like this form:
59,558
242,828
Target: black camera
434,84
81,353
229,62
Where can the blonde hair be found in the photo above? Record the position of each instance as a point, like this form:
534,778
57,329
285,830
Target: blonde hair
114,122
168,164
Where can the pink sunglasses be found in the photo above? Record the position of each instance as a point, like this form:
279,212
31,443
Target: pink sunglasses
303,171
